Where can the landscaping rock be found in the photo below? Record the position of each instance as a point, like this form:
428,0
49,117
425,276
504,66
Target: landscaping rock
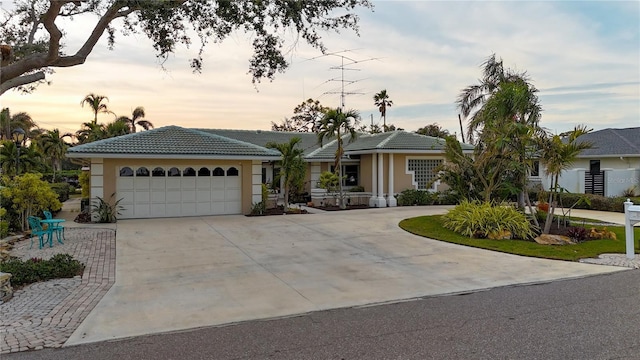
550,239
6,291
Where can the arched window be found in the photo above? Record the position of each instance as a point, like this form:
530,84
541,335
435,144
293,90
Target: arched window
189,172
204,172
218,172
174,171
126,171
142,171
232,172
158,172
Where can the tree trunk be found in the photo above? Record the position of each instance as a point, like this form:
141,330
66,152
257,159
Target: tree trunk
342,205
552,206
528,201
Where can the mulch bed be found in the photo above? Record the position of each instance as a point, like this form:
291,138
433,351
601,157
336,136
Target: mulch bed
337,208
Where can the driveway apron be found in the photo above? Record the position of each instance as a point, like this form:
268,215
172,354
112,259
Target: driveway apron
180,273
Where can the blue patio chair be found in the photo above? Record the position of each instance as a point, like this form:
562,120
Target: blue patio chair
37,230
58,228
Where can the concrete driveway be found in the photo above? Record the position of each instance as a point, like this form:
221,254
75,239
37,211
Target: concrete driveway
182,273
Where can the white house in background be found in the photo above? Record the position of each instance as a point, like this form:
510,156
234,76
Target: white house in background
610,167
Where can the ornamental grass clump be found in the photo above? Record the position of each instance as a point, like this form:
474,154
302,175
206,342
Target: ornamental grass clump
485,220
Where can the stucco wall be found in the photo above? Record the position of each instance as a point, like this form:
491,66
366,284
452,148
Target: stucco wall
620,174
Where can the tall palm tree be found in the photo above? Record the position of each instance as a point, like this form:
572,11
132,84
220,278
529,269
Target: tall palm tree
292,166
381,100
136,119
53,144
472,98
559,152
336,123
96,104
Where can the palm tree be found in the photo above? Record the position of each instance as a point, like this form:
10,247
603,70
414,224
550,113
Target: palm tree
90,132
559,152
136,119
95,103
472,98
53,144
116,128
381,100
292,166
30,158
336,124
9,122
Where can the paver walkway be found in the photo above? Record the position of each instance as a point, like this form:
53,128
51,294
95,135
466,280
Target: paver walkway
46,314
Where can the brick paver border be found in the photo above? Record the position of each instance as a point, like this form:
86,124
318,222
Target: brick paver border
45,314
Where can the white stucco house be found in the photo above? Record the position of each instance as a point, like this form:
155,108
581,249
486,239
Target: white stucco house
610,167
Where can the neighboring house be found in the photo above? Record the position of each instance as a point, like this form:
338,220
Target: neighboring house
174,171
609,168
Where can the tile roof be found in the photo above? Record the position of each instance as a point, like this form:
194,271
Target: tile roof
173,140
178,141
399,140
612,142
308,141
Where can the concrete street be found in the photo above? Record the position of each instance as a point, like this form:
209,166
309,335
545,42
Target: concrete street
587,318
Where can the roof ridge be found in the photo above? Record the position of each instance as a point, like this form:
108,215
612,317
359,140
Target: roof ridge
385,141
321,148
240,142
632,145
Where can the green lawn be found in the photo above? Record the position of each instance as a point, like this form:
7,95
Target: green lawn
431,227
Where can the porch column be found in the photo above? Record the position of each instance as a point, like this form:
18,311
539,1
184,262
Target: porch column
374,180
380,201
391,200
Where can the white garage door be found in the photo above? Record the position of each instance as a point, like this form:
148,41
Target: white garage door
173,191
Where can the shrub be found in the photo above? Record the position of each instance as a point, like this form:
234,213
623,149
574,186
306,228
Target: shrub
4,224
410,197
107,212
447,197
84,180
29,195
62,190
36,269
577,233
484,220
357,188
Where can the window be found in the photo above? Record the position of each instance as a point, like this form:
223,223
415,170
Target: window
264,175
204,172
535,168
218,172
126,171
424,171
174,171
142,171
189,172
349,174
232,172
158,172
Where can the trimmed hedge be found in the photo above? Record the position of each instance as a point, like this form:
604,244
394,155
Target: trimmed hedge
62,189
598,202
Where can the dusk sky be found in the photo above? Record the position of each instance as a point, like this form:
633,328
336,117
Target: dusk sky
582,56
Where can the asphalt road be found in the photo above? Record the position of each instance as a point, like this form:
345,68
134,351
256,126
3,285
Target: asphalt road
590,318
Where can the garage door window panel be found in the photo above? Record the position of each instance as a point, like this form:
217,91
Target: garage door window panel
158,172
